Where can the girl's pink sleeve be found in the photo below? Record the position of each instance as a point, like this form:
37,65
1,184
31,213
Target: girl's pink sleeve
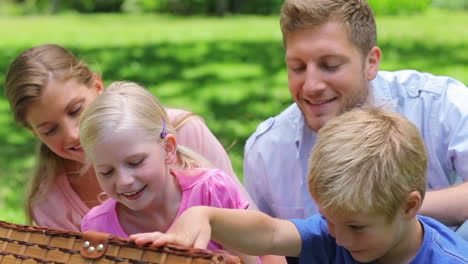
222,192
195,135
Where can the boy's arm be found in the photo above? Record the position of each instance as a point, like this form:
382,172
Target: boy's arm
250,232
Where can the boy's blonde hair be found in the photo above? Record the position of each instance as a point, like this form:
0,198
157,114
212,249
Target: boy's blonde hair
126,105
356,15
27,77
367,160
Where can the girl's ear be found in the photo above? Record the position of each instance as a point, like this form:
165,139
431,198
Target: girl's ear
170,146
412,205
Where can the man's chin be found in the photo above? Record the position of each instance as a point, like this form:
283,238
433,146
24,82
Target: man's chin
316,123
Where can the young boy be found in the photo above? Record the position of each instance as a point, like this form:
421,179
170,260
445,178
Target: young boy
368,177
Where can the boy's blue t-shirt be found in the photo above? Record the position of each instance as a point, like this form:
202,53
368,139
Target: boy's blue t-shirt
440,244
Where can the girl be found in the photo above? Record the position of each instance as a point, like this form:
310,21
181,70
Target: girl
149,178
48,88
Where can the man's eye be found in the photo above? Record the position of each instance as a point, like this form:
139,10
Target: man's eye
331,67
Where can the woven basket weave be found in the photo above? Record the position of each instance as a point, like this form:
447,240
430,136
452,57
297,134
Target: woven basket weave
21,244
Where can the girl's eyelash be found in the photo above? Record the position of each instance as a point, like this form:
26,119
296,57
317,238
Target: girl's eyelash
137,163
107,173
76,110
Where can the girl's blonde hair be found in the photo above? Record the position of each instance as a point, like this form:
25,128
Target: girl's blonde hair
27,77
367,160
126,105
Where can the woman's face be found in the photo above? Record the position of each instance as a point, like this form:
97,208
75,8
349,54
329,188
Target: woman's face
54,118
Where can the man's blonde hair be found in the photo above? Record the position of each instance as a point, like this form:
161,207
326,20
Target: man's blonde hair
367,160
125,105
356,15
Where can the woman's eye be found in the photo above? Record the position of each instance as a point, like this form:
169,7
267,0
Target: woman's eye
107,173
298,68
50,131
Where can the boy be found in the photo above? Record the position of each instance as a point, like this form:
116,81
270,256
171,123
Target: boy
367,176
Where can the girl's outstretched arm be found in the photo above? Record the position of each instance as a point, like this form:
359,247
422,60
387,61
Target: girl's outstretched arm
250,232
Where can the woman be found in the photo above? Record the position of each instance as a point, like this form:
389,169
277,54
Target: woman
48,88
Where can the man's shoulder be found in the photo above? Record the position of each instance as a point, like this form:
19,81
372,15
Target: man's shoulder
280,127
413,83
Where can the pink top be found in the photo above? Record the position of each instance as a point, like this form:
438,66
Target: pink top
62,208
212,187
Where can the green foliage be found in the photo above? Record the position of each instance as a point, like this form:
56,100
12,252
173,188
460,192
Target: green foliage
234,81
399,7
87,6
142,6
451,4
263,7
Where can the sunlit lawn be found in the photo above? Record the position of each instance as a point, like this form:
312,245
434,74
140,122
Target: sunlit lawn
229,70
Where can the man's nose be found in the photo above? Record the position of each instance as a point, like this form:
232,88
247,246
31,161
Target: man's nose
313,82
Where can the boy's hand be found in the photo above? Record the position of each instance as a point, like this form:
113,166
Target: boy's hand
191,229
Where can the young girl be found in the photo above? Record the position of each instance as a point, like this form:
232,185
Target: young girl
48,88
149,178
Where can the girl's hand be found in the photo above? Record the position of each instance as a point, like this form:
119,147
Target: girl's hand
191,229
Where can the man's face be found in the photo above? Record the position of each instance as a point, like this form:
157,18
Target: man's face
327,74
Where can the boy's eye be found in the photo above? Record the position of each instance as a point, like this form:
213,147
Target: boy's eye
356,228
107,172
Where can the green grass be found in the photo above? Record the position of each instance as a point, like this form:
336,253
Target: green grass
228,70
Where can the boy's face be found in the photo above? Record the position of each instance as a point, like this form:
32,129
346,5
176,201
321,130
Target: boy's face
327,74
367,237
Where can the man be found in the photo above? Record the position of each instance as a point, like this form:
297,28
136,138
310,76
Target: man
332,61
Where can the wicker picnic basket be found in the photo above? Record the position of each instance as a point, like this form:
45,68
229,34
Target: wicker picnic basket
22,244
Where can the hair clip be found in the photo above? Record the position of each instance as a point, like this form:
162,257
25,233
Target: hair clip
163,132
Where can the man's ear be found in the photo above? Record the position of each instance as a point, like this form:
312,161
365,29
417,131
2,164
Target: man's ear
170,146
412,205
98,84
373,62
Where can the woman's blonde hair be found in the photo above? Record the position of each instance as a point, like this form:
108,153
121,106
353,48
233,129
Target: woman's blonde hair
356,15
367,160
27,77
126,105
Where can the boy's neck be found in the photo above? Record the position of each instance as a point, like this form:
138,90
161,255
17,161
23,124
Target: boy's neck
409,245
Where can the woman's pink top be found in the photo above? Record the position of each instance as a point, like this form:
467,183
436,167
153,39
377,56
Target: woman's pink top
211,187
63,209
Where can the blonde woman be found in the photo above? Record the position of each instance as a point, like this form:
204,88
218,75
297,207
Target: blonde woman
48,88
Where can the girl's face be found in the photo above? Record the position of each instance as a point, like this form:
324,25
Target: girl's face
133,169
54,117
